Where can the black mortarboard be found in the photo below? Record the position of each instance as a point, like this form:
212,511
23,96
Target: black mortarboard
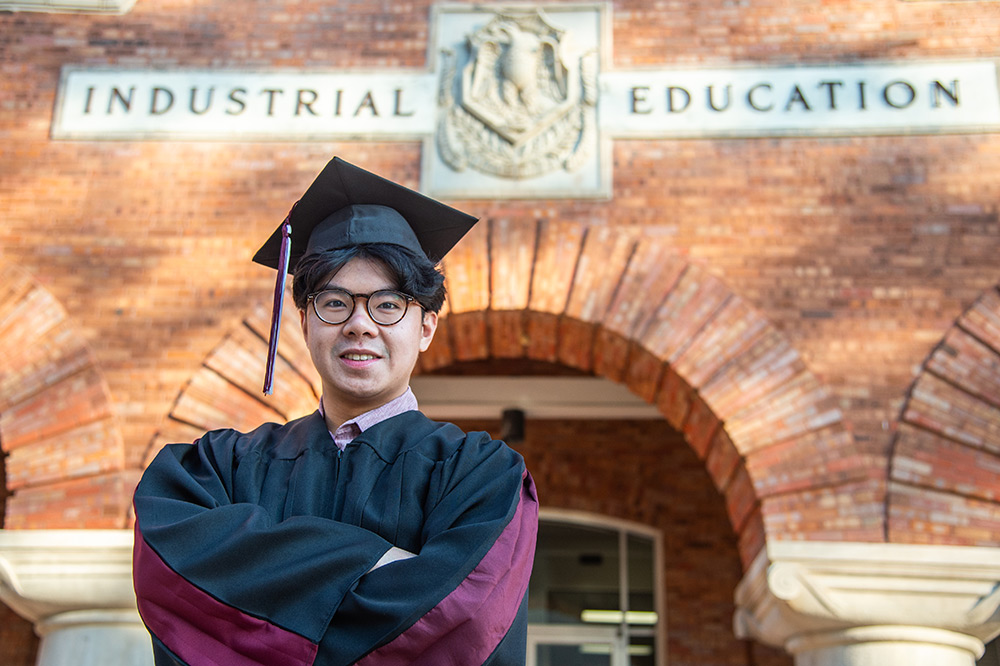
346,206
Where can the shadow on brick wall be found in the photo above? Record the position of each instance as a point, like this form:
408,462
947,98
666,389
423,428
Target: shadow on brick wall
18,643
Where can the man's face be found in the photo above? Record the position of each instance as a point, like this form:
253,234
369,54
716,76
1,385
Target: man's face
364,365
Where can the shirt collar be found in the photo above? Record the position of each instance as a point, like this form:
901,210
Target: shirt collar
354,427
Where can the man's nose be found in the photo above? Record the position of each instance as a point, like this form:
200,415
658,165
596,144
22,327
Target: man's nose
360,322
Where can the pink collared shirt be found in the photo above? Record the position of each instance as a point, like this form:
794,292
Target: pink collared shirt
348,430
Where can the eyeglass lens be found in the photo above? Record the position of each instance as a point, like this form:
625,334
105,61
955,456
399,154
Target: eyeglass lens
335,306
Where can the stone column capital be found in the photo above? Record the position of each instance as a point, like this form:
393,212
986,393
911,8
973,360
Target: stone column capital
76,587
47,572
797,593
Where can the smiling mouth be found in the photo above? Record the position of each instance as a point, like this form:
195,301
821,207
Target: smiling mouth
359,357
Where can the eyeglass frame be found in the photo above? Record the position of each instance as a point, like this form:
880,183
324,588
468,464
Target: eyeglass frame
410,300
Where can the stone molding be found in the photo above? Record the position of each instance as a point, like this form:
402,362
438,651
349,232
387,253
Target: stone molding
44,573
810,596
75,586
68,6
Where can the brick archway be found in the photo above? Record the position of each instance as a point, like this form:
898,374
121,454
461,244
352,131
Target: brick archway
945,462
66,454
629,309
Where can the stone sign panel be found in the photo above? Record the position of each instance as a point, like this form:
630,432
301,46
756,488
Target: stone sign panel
893,98
522,102
242,106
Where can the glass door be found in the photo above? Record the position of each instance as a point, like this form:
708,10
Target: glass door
593,598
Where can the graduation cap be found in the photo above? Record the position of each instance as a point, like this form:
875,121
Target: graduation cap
346,206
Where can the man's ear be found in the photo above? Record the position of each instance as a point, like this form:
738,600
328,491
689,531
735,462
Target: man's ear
428,324
302,323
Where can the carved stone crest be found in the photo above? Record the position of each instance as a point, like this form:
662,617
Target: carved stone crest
522,105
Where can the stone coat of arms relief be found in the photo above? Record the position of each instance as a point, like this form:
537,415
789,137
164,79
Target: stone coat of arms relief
521,106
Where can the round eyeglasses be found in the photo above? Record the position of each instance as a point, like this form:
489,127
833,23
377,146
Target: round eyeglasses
385,306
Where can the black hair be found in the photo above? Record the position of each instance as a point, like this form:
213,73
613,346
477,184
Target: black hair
413,273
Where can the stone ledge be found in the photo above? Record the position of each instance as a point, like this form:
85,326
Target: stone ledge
47,572
798,589
68,6
75,586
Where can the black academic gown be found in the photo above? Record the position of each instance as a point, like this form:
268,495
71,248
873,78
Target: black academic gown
257,548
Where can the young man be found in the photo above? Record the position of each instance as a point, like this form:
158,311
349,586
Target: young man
364,532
